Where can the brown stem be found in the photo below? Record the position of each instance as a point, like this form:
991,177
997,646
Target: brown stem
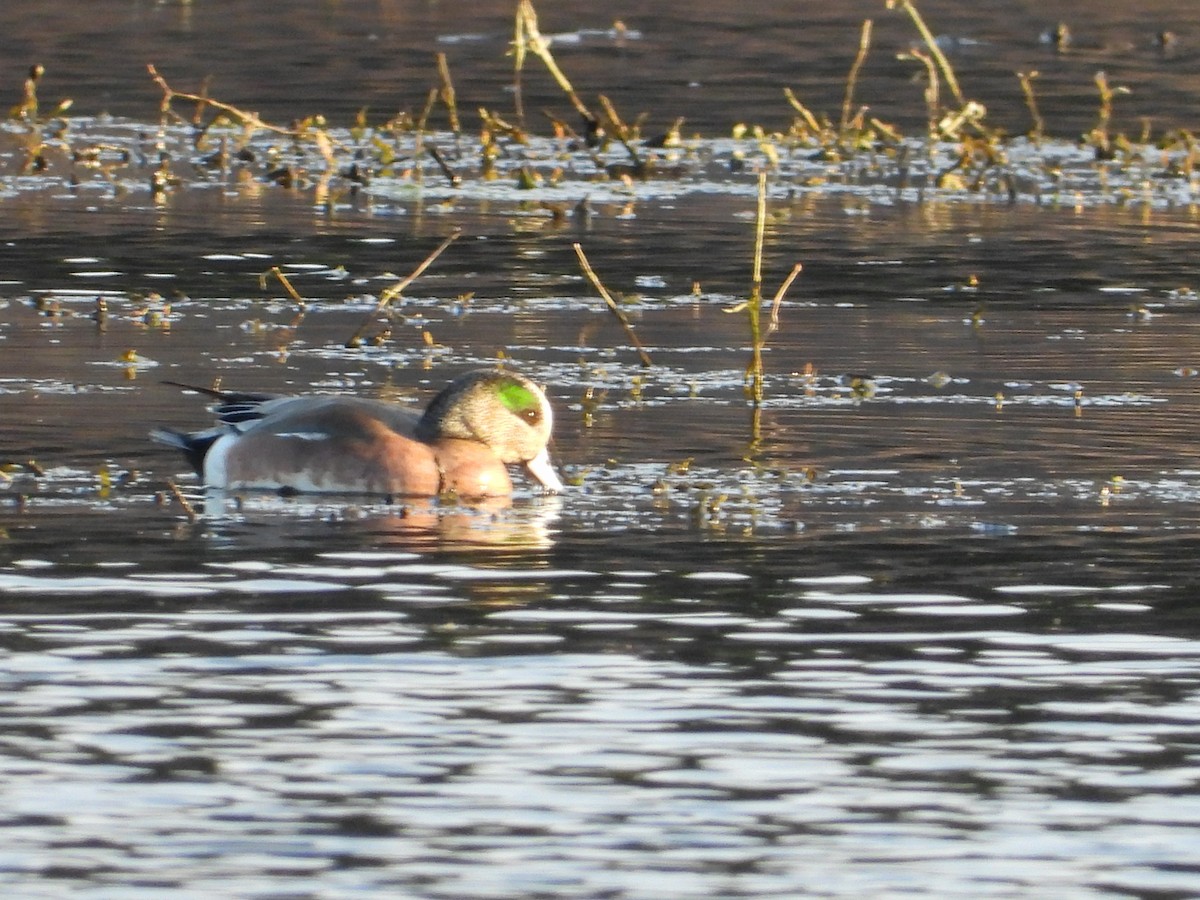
447,92
864,44
169,93
612,305
387,296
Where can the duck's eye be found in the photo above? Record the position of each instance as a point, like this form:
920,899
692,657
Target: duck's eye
520,401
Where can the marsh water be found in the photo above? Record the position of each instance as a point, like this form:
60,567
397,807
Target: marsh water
925,622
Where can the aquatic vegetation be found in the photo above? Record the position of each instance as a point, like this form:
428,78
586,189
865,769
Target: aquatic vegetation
607,158
390,294
561,176
620,316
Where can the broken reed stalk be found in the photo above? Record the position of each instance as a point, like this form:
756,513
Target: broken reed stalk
621,130
287,285
419,133
932,100
518,53
1106,98
198,112
27,110
783,289
932,44
864,44
612,305
426,112
1039,124
387,296
188,509
451,176
530,39
809,119
301,303
755,374
246,118
754,306
447,91
1107,92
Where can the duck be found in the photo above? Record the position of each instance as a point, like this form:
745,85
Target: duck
478,425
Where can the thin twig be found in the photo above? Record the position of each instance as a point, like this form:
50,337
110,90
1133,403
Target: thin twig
932,103
754,305
387,296
301,303
612,305
287,285
183,501
621,130
169,93
783,289
447,92
864,44
540,47
804,111
454,179
1039,124
932,44
519,48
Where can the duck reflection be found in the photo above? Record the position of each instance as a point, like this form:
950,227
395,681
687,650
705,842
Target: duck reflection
418,524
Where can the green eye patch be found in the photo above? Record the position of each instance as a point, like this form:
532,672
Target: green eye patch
519,399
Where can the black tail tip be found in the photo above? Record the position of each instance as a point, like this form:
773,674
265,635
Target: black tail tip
193,446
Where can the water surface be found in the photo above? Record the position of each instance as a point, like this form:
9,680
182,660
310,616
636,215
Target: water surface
924,622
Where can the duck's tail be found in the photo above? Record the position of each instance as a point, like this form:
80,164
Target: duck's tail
195,445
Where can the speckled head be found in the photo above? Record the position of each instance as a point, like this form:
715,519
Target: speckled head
505,411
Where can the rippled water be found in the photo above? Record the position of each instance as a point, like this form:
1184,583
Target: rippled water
925,623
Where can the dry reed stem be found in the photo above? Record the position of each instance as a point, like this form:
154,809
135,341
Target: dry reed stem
419,132
612,305
387,296
620,130
760,229
518,53
183,501
447,92
755,372
287,285
864,44
198,112
804,111
1107,92
1039,124
301,303
423,122
451,176
249,118
27,109
531,39
934,49
783,289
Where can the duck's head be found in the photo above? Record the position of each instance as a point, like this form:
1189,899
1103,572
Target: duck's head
502,410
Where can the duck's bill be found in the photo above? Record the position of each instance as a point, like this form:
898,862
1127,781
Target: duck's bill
542,470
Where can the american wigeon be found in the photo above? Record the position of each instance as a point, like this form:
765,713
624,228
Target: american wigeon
461,444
